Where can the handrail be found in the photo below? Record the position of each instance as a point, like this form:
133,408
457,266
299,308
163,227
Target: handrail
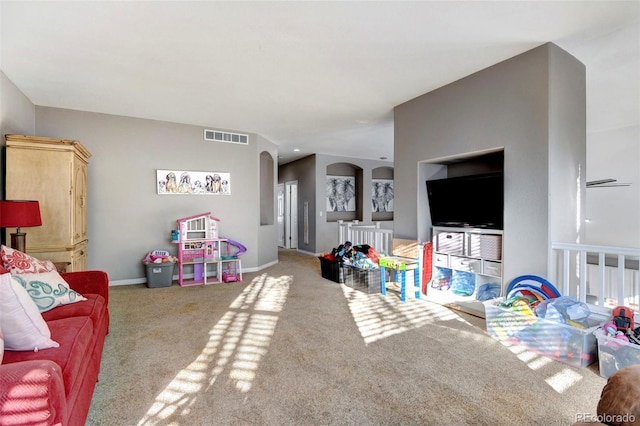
371,234
602,276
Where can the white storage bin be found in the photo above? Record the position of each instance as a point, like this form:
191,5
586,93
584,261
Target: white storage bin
492,268
441,260
451,243
485,246
614,354
466,264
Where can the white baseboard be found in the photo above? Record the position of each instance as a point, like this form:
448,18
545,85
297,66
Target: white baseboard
133,281
309,253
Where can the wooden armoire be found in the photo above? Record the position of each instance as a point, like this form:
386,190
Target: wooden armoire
54,172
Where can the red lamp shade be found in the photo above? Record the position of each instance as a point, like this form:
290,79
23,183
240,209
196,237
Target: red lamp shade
19,213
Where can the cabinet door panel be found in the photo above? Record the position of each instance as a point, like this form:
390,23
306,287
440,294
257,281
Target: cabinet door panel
79,260
42,175
80,202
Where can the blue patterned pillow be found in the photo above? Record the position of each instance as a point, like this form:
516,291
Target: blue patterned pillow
48,290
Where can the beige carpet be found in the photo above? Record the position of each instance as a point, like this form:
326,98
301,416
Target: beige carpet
287,347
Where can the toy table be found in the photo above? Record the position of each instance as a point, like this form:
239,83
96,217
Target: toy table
400,266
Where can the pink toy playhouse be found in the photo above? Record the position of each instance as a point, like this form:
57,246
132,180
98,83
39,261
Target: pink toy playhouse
202,252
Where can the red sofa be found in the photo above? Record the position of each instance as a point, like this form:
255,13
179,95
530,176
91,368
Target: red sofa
55,386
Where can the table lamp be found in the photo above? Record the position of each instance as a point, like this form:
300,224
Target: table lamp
17,214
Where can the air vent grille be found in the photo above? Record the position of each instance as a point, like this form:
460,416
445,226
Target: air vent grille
220,136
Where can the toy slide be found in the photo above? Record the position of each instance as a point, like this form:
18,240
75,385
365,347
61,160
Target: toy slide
241,249
233,274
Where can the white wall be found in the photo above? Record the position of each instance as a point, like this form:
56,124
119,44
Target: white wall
613,213
613,135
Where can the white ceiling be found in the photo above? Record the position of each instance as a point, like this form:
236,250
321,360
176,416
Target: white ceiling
319,76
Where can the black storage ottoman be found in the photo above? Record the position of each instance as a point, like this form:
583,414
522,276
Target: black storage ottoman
331,269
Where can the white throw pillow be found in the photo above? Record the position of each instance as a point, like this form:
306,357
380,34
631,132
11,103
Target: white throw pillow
21,263
21,323
1,347
48,290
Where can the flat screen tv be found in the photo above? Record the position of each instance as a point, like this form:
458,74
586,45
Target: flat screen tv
474,201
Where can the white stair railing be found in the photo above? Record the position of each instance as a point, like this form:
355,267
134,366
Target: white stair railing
371,234
601,276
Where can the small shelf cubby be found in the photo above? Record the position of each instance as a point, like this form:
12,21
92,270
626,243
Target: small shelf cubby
465,259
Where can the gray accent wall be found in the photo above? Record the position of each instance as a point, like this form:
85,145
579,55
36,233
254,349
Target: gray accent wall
127,218
17,116
267,244
303,172
17,113
310,173
531,107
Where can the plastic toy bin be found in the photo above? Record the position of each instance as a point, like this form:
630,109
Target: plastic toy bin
565,343
614,354
159,274
331,269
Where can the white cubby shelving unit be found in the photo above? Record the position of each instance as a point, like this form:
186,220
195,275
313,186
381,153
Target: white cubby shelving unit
474,251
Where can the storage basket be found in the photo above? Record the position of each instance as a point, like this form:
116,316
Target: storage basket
451,243
159,274
614,354
367,280
331,269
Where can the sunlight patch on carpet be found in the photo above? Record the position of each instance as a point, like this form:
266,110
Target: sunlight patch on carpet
563,380
236,346
559,381
378,317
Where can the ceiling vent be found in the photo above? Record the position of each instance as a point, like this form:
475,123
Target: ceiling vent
220,136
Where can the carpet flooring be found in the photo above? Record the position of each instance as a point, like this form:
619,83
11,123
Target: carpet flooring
287,347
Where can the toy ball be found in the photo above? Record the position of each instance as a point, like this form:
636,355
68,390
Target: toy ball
610,329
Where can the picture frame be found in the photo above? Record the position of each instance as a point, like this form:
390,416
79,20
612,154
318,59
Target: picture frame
178,182
382,195
341,193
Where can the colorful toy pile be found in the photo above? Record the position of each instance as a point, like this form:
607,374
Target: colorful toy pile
618,342
534,314
524,294
536,296
361,256
159,256
533,287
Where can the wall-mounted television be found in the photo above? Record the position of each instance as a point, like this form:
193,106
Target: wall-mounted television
474,201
